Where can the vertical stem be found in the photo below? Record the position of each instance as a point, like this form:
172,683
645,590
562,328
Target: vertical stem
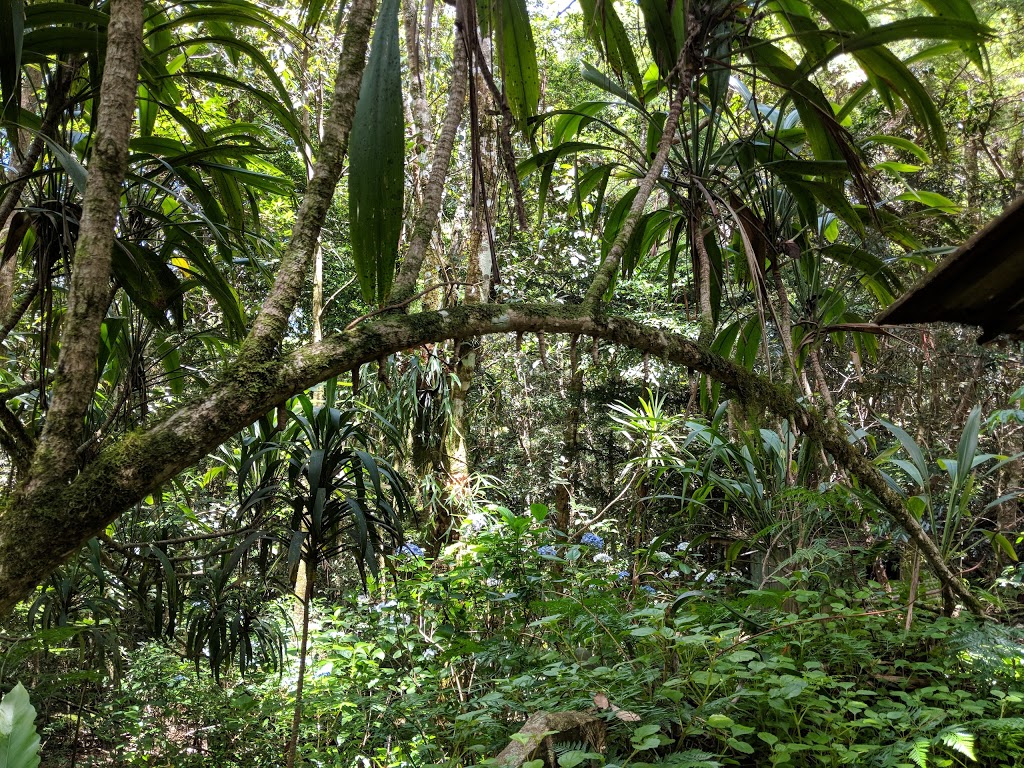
433,192
293,742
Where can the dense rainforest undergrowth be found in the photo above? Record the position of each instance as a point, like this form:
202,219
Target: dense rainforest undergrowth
496,383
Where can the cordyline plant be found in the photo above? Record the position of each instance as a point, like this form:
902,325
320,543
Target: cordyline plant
65,495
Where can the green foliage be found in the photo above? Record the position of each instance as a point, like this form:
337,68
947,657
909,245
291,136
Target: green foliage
508,24
794,203
19,742
951,517
376,179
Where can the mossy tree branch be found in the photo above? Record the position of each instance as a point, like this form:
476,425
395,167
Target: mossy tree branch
37,536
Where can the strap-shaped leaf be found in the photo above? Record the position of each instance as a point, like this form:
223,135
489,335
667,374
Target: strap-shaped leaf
518,56
376,179
605,29
12,29
816,114
959,10
665,26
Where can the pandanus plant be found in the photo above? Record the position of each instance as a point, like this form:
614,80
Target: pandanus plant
343,500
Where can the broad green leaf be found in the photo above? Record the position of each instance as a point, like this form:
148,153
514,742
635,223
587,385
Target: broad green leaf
795,18
832,197
816,113
572,121
546,161
665,25
1000,542
912,449
110,329
41,43
959,11
75,170
930,200
917,28
899,143
885,67
896,168
601,80
968,446
376,180
19,741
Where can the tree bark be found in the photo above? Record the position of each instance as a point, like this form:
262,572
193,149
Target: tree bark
89,296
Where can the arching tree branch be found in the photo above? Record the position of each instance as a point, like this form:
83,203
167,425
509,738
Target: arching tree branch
38,536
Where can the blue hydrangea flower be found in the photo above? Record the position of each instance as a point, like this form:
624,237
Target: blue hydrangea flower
647,588
546,551
622,575
410,549
592,540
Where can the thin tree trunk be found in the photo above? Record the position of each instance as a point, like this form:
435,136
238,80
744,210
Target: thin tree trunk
433,192
293,741
565,490
272,322
606,271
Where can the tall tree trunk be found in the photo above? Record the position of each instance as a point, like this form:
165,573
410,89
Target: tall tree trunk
479,283
311,126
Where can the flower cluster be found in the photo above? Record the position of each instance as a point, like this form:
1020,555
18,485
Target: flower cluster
602,557
682,546
410,549
546,551
647,588
592,540
622,575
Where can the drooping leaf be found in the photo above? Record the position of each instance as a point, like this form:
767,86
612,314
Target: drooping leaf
605,29
665,25
12,29
517,55
376,179
899,143
959,11
601,80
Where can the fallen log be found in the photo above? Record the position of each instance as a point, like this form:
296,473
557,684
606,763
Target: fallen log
537,739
